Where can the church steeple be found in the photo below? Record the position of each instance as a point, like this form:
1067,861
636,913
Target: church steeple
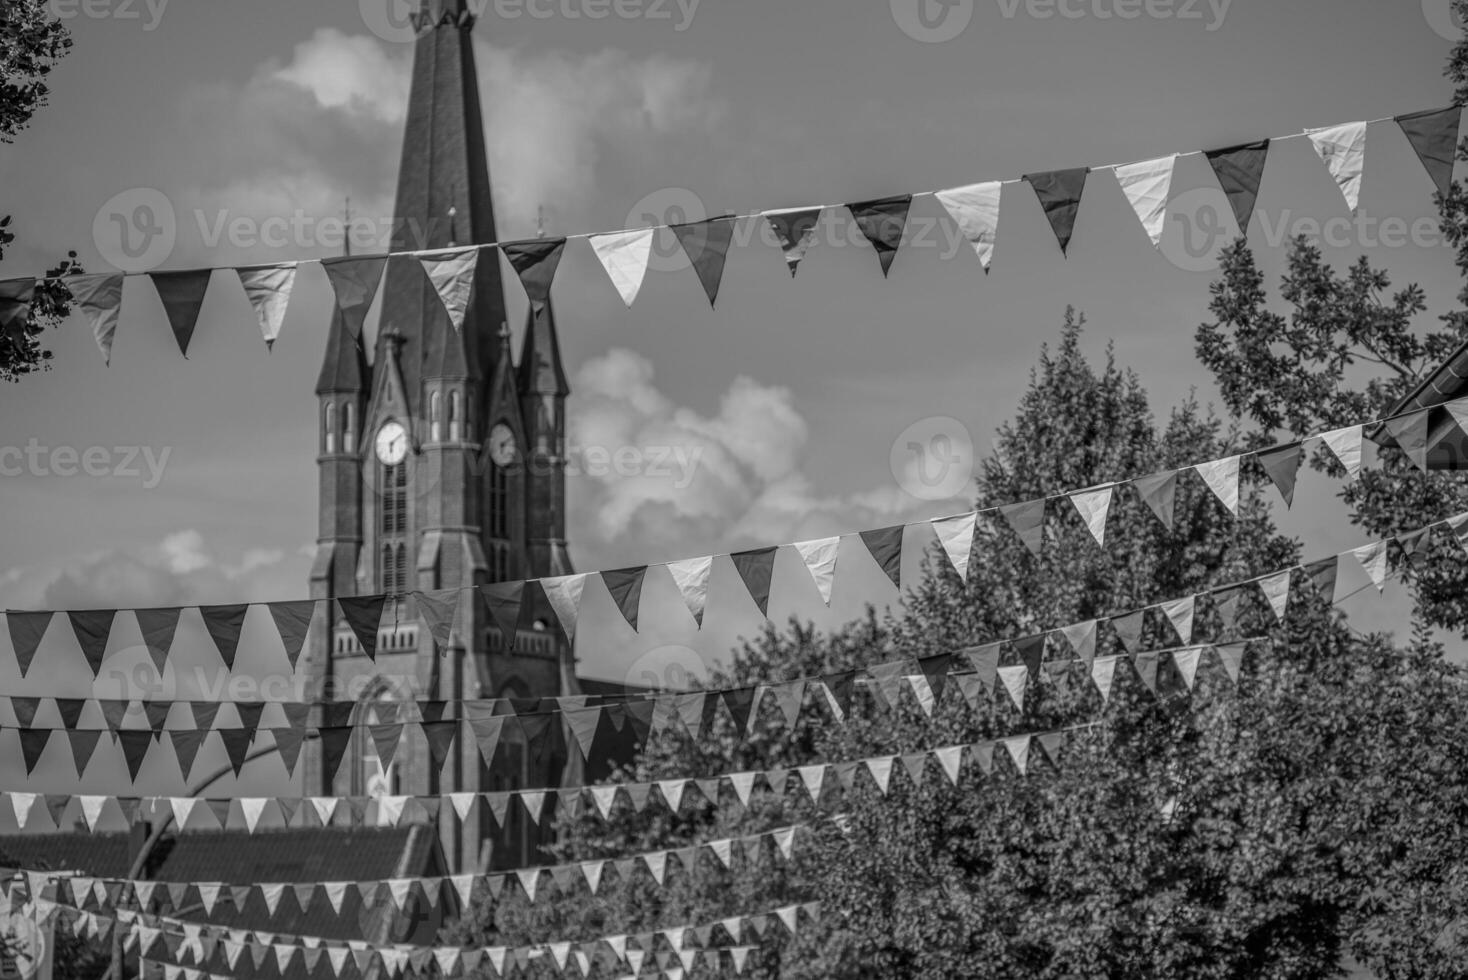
443,199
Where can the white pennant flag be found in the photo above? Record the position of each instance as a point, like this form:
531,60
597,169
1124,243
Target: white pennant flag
271,893
461,803
1180,613
338,957
657,864
1103,670
529,880
209,895
624,254
1019,751
390,810
950,759
335,892
1346,444
251,807
92,810
1093,506
605,797
1014,679
692,578
743,783
956,534
325,807
268,288
975,209
1276,589
820,560
672,790
881,772
183,808
813,776
1222,477
1187,664
565,594
22,803
98,297
785,841
464,885
452,275
1373,560
592,870
723,850
1147,185
1343,148
400,889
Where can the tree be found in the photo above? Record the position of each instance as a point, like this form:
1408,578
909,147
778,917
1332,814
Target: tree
32,41
1261,830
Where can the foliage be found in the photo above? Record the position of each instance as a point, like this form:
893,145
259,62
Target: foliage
32,41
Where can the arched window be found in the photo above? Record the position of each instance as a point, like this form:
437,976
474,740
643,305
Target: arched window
328,426
499,502
435,417
349,437
456,417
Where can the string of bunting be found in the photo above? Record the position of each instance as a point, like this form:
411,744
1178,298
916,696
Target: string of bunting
202,943
624,255
100,894
505,602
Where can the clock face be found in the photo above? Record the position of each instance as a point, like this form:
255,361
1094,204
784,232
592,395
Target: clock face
502,448
392,444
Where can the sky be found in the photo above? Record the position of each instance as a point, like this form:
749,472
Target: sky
785,413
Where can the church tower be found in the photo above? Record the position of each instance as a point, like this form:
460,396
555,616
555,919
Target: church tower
441,467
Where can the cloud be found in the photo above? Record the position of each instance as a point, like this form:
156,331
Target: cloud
180,570
655,479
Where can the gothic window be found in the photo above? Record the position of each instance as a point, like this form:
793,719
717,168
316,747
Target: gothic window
349,437
499,502
392,529
456,416
435,417
328,425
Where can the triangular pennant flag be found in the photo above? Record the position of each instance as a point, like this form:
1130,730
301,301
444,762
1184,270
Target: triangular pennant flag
334,742
706,243
92,627
743,783
135,744
1434,136
951,759
1409,432
186,747
625,587
624,254
70,710
251,808
739,702
1283,466
33,743
672,790
113,712
1147,185
1060,192
756,568
182,294
385,740
364,615
916,766
1231,656
885,546
1373,560
975,209
236,745
1014,679
98,297
505,600
157,627
820,560
268,288
1159,492
292,622
1346,444
1276,589
788,697
881,772
1028,521
1222,477
692,578
354,282
83,744
1103,670
985,661
1019,751
956,535
26,630
288,743
1179,612
1323,576
452,276
1239,170
1187,664
882,222
564,594
439,610
583,723
1146,667
440,738
536,262
1343,149
225,624
1093,506
812,777
1082,639
796,230
1129,629
92,810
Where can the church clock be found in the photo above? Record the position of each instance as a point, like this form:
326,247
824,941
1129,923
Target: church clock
392,444
502,448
